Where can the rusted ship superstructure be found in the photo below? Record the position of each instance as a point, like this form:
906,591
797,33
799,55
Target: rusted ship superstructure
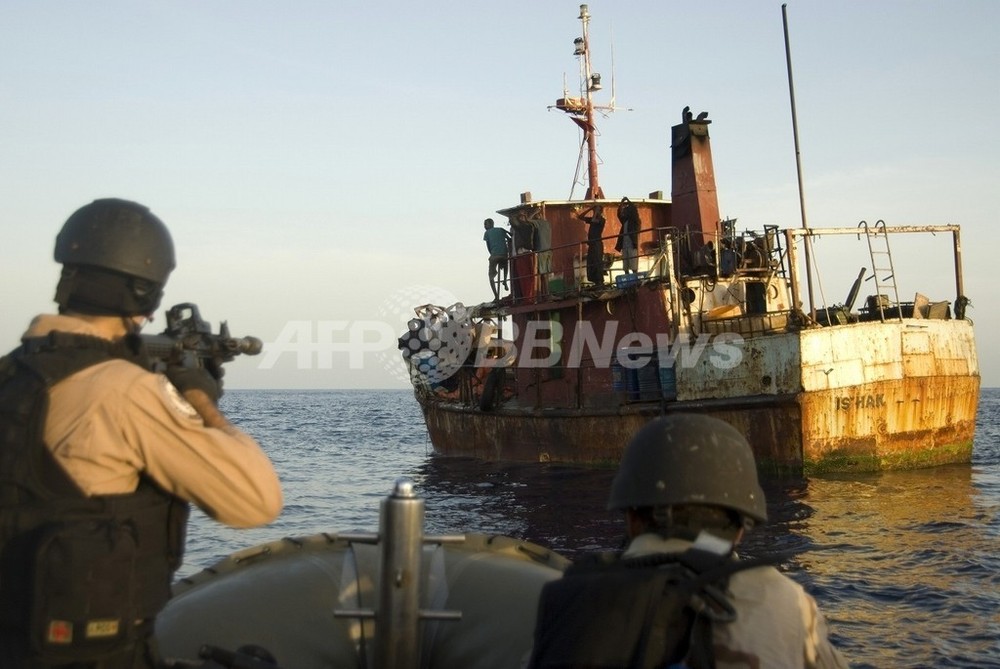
593,340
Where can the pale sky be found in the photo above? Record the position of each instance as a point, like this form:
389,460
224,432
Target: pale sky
325,166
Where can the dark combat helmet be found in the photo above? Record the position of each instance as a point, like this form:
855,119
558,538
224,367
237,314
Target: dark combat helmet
688,459
116,258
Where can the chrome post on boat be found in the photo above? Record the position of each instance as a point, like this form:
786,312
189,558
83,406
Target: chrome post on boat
397,618
397,626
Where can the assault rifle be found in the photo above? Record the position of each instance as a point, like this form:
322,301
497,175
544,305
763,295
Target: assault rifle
188,342
245,657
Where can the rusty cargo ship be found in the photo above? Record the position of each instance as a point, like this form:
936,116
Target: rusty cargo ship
658,305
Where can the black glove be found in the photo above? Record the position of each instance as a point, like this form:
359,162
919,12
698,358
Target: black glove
196,378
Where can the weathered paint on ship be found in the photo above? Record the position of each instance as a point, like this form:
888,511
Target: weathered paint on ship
790,434
891,395
899,424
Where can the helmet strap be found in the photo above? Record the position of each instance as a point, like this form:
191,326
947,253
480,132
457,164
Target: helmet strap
690,521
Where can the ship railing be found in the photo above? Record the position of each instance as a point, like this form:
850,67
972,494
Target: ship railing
398,615
885,304
716,254
573,273
725,252
762,258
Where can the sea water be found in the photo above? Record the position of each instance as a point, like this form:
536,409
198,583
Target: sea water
905,565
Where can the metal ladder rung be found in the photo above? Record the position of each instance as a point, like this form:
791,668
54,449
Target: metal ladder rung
888,281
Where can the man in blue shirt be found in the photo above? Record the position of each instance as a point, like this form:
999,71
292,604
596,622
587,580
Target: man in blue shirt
497,243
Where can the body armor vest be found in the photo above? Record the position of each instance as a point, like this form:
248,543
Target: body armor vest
646,612
77,573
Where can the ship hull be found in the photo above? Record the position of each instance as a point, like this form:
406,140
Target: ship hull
866,397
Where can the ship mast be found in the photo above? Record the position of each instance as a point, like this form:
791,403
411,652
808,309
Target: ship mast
581,109
798,170
590,85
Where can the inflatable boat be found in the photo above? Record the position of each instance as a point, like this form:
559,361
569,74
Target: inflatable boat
393,599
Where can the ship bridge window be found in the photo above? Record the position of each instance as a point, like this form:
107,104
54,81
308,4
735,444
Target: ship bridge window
756,297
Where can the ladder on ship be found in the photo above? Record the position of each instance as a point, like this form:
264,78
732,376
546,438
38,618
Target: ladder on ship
883,271
776,254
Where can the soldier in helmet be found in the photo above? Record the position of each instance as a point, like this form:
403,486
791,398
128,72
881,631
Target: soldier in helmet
100,457
678,595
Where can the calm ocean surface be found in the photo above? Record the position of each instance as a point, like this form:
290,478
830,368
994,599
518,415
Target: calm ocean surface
906,565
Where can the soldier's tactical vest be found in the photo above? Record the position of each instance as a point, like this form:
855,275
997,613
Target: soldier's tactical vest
76,573
650,612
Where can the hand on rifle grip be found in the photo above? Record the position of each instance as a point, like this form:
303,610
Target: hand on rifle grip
196,378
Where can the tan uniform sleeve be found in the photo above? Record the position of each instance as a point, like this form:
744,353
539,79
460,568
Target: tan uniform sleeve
819,652
777,625
113,420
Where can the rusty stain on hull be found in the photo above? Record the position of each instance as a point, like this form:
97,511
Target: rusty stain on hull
880,426
898,424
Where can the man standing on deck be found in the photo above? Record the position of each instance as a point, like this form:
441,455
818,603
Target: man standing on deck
498,244
628,236
99,457
688,487
593,216
543,246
